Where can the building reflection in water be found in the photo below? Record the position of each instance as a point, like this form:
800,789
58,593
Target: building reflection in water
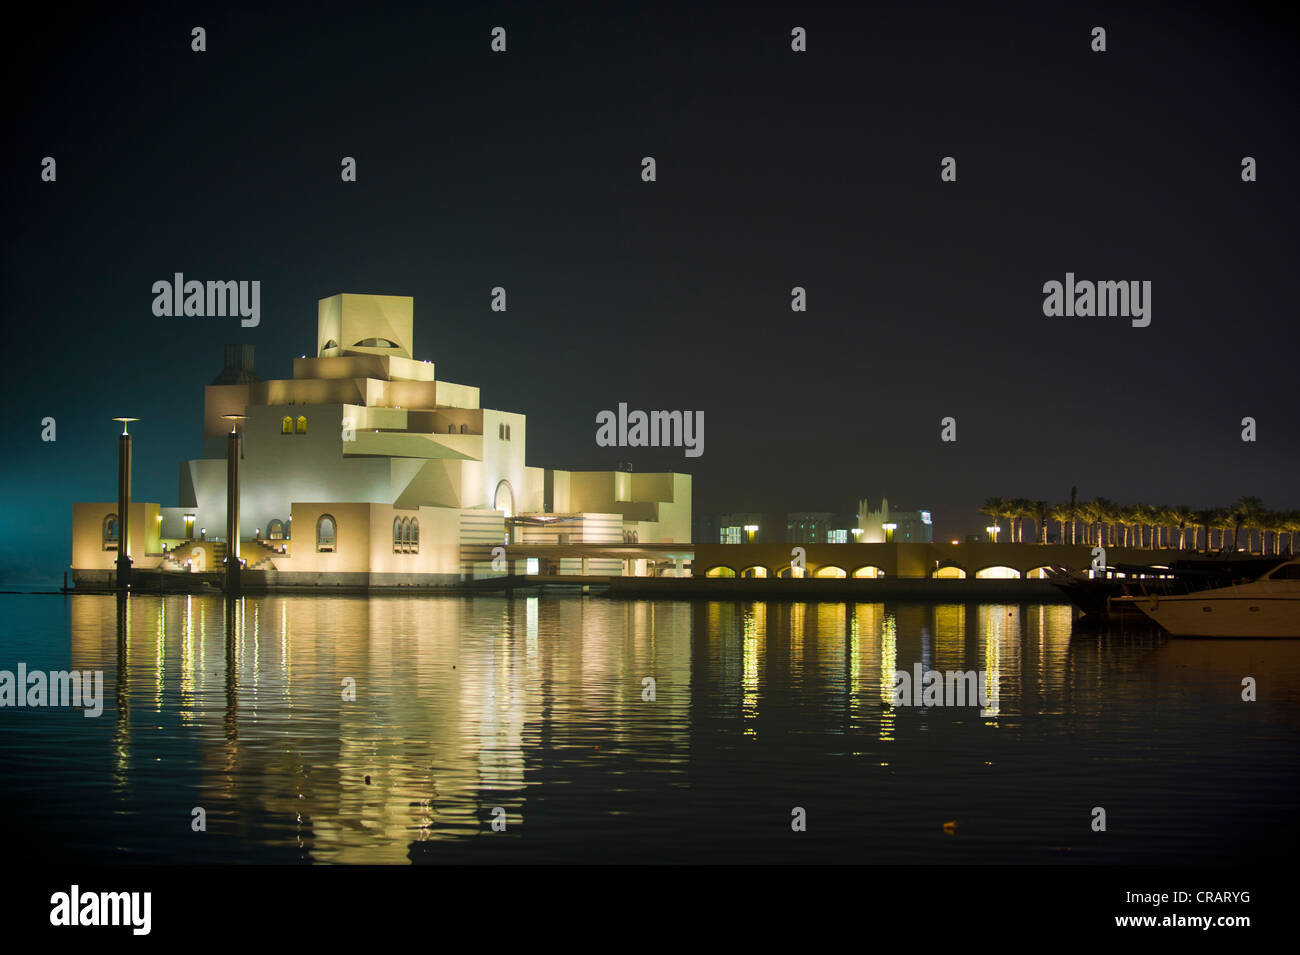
466,704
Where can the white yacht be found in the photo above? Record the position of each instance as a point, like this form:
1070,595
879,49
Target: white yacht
1267,607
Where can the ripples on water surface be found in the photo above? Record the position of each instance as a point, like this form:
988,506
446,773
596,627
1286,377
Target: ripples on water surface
535,705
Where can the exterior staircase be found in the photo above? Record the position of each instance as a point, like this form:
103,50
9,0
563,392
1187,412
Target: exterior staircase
258,555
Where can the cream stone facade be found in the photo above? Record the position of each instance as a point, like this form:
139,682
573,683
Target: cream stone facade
366,469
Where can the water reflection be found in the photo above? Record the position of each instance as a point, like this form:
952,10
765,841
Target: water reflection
538,707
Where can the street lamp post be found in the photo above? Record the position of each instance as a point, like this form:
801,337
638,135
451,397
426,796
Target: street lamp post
124,506
232,503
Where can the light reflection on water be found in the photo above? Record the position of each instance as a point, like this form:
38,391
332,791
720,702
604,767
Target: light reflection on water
535,705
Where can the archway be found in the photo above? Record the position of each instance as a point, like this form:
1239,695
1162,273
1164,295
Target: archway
830,571
720,571
504,499
949,572
754,572
869,571
998,573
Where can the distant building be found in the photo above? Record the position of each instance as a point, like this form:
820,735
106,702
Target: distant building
745,528
819,527
866,526
910,526
793,527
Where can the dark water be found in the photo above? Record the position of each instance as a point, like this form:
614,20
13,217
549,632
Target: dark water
535,705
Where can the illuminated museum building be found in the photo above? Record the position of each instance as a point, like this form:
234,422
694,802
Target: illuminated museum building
367,468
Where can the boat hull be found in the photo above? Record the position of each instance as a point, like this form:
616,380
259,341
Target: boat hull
1228,615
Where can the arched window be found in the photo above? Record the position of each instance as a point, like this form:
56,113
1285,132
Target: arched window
414,535
288,529
397,535
507,432
464,429
286,425
302,424
110,532
275,530
451,429
326,534
501,432
375,343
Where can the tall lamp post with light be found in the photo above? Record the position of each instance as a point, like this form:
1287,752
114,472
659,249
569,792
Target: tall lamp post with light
124,506
232,503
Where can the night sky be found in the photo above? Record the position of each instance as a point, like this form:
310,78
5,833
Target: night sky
775,169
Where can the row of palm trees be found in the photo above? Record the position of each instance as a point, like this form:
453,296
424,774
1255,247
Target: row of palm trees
1149,526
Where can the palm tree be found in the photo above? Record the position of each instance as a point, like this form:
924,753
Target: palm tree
1061,514
1205,519
1136,516
1074,514
1118,515
1159,525
1223,521
1156,515
1040,519
1151,515
1243,513
1182,516
1100,516
1141,518
1260,520
1012,512
1168,520
995,508
1274,521
1282,521
1088,515
1128,518
1024,509
1162,517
